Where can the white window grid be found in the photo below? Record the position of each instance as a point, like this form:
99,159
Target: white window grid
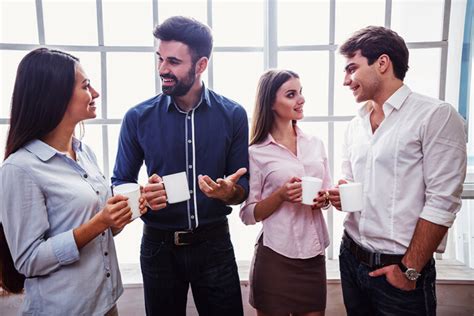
270,50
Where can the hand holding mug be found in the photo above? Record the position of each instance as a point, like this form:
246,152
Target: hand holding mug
291,191
154,193
116,212
334,197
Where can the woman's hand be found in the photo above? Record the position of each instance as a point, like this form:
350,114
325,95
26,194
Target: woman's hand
321,201
116,212
291,191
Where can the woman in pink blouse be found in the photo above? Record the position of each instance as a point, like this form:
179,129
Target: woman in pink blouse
288,273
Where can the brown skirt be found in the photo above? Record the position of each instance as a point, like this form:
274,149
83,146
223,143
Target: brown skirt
282,285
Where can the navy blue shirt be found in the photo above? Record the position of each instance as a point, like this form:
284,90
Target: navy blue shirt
211,139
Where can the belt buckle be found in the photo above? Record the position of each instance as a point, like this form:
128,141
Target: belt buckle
177,242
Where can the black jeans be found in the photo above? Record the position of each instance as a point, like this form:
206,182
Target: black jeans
209,267
366,295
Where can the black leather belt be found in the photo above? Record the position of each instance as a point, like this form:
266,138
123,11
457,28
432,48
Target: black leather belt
371,259
187,237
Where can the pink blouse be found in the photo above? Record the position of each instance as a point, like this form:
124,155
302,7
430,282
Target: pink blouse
293,230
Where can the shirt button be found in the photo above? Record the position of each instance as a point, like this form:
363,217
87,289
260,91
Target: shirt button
192,216
190,191
85,175
189,117
103,233
106,253
97,192
189,141
190,166
108,275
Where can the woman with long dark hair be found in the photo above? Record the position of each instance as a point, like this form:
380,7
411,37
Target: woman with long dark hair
57,214
288,273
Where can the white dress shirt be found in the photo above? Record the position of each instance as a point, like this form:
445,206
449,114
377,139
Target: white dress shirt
413,166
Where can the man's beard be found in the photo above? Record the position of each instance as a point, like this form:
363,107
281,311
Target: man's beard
181,87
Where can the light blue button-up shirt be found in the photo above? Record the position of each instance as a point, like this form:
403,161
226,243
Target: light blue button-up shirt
44,196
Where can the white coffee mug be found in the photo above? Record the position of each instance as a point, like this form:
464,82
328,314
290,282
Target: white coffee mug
132,191
176,187
351,195
311,187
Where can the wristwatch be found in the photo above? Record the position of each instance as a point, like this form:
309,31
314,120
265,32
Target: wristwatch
410,273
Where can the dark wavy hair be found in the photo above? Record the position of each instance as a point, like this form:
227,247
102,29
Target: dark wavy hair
373,41
196,35
263,116
43,88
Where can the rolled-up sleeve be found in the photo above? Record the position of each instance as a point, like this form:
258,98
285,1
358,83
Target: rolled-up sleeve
25,221
255,193
444,165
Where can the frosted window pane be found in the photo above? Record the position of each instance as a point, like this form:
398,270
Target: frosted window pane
238,23
424,71
130,80
9,61
196,9
354,15
311,25
70,22
420,20
312,67
128,22
18,22
3,140
236,82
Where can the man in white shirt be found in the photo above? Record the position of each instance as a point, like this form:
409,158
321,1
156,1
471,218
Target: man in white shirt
409,151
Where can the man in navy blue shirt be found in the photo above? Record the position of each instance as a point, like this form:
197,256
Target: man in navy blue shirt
193,129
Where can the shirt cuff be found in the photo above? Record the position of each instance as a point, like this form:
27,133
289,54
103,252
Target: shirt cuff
247,214
440,217
65,248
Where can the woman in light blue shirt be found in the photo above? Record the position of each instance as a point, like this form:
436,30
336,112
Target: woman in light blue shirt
58,217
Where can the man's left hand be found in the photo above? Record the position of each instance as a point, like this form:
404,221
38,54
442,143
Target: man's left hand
395,277
222,189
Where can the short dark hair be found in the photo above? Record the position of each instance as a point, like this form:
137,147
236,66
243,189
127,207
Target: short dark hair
189,31
43,88
373,41
263,116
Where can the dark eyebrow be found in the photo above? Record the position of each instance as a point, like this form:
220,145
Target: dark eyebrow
348,66
86,80
290,90
174,59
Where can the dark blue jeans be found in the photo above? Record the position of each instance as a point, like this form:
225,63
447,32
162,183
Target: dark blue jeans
209,267
366,295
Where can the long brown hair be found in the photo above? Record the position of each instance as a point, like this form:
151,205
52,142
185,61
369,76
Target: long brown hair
43,88
263,117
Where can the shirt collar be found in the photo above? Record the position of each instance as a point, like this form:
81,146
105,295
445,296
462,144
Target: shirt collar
269,139
395,101
45,152
204,96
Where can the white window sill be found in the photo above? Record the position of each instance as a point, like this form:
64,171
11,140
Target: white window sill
448,272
